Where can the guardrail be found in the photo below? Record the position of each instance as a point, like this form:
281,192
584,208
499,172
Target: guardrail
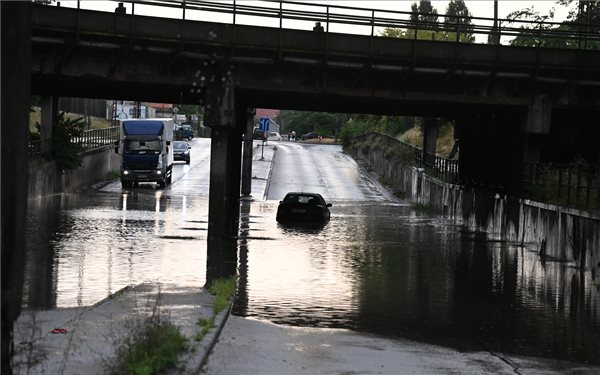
98,138
89,140
575,185
355,20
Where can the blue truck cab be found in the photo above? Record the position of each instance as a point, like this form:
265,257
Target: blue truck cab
146,151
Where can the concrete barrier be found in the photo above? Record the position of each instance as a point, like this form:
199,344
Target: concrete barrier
560,233
45,178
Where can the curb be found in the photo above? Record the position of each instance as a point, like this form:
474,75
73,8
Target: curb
214,336
194,361
269,174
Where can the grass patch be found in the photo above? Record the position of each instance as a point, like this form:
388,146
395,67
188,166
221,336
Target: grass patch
223,290
205,326
152,347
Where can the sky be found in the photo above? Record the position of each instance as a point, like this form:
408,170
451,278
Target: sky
478,8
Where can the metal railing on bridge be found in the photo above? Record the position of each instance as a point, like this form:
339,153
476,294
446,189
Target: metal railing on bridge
363,21
572,185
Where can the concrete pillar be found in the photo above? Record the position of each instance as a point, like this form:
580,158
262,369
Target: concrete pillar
49,115
536,126
16,65
248,149
220,115
431,128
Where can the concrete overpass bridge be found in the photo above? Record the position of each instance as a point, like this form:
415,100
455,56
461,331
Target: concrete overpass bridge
511,104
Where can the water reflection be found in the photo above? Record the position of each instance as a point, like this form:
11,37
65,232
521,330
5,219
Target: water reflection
93,245
378,268
388,270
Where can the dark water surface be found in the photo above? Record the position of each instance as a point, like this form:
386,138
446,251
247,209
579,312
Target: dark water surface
386,269
381,268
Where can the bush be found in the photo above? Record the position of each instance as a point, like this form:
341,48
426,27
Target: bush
64,151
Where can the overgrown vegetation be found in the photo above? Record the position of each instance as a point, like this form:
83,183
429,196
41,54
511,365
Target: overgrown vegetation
152,347
223,290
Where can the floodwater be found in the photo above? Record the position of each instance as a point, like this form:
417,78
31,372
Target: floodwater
379,266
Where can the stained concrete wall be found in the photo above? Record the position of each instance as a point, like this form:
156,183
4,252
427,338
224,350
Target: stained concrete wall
46,179
560,233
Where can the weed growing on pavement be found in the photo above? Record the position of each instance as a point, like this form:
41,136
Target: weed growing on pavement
205,326
152,346
223,289
151,349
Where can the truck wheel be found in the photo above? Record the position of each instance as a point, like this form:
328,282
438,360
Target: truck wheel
189,138
187,161
162,184
124,184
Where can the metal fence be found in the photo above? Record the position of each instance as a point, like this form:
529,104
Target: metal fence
98,138
354,20
434,165
89,140
573,185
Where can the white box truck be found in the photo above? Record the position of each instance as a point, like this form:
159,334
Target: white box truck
146,151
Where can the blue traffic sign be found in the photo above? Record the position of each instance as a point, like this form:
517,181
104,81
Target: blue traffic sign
263,124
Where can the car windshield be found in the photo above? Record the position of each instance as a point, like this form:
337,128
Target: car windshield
180,145
302,199
140,147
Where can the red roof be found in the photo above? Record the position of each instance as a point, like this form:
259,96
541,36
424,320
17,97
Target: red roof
270,113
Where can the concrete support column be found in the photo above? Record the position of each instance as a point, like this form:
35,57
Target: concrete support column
431,129
16,67
537,125
49,114
220,116
247,158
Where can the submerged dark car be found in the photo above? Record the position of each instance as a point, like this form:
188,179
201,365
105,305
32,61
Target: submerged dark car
303,207
181,151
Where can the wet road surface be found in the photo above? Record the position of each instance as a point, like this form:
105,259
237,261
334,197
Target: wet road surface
379,267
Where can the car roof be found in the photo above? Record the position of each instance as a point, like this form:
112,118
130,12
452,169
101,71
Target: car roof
304,193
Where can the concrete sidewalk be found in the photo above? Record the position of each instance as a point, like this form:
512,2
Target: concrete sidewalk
84,340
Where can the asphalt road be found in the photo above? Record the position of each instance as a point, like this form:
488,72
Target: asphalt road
321,168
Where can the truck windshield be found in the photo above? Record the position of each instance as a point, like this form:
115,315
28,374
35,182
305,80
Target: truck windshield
140,147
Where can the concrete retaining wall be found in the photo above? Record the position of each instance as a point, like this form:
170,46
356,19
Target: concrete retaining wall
45,179
559,233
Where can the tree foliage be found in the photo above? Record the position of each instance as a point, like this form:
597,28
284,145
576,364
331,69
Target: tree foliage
424,23
458,18
303,122
65,152
424,15
585,19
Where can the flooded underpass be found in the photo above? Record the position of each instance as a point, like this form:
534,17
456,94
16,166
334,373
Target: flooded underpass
379,266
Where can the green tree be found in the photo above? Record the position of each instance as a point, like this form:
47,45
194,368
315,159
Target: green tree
424,15
424,22
582,22
458,19
65,152
303,122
